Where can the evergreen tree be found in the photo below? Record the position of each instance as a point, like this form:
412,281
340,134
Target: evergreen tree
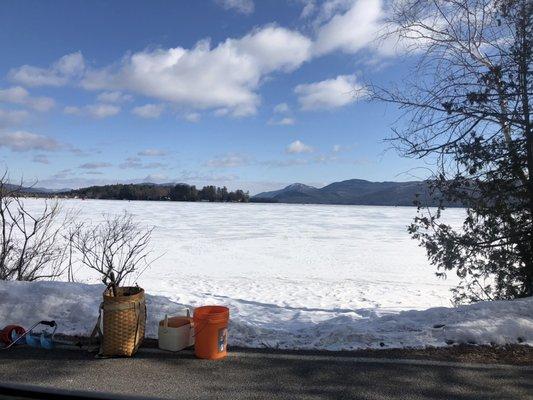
470,113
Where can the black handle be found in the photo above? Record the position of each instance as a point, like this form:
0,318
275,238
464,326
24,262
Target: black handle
48,323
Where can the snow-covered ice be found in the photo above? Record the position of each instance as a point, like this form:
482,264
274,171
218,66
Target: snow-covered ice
294,276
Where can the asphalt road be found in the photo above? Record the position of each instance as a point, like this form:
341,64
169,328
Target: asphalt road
249,375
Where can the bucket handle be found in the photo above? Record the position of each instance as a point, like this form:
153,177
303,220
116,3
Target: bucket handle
196,332
165,321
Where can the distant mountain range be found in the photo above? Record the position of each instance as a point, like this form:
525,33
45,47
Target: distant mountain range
352,191
33,189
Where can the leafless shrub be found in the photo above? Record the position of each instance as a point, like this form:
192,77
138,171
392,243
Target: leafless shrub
31,245
116,248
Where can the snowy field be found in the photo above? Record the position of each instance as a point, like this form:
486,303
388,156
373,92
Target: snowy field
293,276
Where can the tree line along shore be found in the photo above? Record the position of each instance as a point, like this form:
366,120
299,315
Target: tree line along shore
178,192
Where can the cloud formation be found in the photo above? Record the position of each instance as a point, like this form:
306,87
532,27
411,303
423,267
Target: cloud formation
137,163
95,165
19,95
329,93
281,108
223,77
192,117
245,7
98,111
149,110
41,158
228,161
152,153
282,116
9,118
298,147
21,141
63,71
114,97
349,31
285,121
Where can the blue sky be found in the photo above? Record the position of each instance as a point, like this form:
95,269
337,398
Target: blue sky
247,94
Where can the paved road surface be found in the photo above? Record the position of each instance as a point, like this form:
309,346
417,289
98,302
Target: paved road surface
249,375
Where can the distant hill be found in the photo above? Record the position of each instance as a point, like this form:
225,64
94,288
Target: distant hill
352,191
33,189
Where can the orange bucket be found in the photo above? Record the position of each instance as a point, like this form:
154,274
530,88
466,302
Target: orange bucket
211,332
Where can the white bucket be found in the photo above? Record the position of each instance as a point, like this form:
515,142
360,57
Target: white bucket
175,338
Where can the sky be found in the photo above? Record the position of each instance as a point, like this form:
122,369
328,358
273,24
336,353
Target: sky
251,94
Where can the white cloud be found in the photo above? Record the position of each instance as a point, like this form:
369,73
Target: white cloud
41,158
224,77
208,178
152,153
24,141
59,73
337,148
350,31
19,95
228,161
72,110
64,173
114,97
330,93
285,163
298,147
327,9
308,9
281,108
131,162
136,162
95,165
98,111
242,6
221,112
192,117
149,110
12,117
102,110
285,121
155,178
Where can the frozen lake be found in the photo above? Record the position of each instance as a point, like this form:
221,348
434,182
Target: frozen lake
280,264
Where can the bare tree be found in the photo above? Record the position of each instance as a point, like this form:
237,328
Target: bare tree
468,111
31,245
116,248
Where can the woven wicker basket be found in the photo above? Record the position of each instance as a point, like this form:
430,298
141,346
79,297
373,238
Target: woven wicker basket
124,321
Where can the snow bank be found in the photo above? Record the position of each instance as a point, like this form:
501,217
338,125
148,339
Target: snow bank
75,306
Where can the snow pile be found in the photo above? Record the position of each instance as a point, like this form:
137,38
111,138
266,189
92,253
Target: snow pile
75,307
